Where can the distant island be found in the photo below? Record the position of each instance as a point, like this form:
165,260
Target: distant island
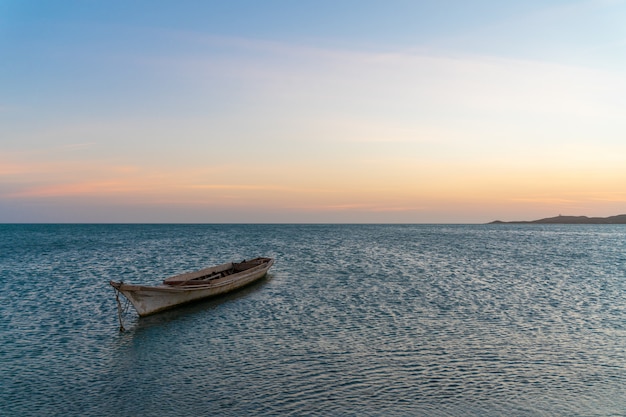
619,219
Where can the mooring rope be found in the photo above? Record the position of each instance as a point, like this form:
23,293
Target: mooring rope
120,311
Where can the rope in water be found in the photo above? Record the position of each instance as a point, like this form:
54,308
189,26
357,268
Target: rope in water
120,311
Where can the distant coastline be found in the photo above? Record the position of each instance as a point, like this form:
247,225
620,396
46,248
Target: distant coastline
619,219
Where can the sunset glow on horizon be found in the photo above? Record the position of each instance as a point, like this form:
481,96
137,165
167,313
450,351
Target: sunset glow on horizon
402,112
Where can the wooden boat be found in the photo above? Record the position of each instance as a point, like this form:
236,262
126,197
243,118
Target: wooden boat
192,286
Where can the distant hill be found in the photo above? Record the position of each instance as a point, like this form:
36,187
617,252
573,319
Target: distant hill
619,219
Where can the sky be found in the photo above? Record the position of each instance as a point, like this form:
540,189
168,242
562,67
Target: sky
342,111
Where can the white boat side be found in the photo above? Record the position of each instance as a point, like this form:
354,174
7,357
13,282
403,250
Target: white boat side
152,299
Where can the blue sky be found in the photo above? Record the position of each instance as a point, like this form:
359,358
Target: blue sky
341,111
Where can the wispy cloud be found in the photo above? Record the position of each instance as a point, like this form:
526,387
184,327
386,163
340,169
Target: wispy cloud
77,146
86,188
237,187
404,95
359,207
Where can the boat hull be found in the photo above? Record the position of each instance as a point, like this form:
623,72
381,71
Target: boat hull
148,300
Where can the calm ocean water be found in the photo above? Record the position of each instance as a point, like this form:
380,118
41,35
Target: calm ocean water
353,320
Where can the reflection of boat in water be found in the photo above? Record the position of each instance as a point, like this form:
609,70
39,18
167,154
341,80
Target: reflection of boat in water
192,286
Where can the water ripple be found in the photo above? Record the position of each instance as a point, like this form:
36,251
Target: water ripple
353,320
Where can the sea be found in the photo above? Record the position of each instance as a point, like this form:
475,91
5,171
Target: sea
352,320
